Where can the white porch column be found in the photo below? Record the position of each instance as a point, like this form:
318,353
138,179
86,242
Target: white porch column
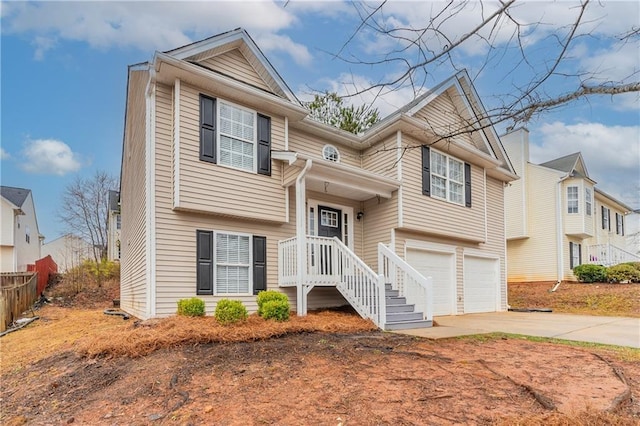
301,240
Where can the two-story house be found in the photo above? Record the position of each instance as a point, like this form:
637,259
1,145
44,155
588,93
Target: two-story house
68,251
229,188
20,239
557,218
114,225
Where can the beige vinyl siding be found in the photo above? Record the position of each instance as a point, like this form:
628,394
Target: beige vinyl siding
576,224
493,247
175,231
428,214
604,236
438,115
382,158
234,64
380,217
515,192
307,143
535,258
214,188
134,263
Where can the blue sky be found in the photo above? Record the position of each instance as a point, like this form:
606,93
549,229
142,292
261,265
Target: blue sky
64,69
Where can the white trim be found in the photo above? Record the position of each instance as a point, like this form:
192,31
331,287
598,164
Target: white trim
325,156
485,202
559,228
286,133
286,205
399,177
215,263
429,246
447,178
176,144
312,203
254,142
301,226
393,242
150,243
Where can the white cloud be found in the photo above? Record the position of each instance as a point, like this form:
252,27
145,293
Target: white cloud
4,154
611,154
148,25
49,156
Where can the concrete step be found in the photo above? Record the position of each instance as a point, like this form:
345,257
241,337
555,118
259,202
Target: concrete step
404,316
400,308
396,300
407,325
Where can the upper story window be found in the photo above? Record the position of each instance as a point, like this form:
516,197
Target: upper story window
234,136
445,177
606,223
27,235
330,152
588,201
572,199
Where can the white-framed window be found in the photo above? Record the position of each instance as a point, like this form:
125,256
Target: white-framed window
330,152
237,136
588,201
605,218
447,178
232,261
329,218
575,251
619,224
27,234
572,199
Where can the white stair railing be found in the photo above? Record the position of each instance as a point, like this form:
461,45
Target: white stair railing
411,284
609,255
287,263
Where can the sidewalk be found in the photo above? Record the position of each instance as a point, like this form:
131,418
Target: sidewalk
620,331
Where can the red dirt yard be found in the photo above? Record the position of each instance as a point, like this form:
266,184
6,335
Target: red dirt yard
63,369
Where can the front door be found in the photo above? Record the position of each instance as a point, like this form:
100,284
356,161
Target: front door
329,222
329,225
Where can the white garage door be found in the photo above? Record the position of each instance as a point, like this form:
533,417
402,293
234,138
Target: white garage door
441,268
481,282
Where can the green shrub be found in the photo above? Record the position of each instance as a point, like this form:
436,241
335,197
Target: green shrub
193,307
276,309
269,295
635,265
590,273
623,272
230,311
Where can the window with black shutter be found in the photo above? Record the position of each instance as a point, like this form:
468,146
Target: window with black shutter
259,264
445,177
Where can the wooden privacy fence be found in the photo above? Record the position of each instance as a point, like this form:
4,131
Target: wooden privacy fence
18,291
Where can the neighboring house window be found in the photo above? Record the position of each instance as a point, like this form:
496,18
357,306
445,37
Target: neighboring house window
575,254
606,223
234,136
445,177
230,263
572,199
619,224
27,235
118,222
330,152
587,201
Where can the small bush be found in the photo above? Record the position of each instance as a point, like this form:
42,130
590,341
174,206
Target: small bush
276,309
230,311
269,295
193,307
590,273
623,272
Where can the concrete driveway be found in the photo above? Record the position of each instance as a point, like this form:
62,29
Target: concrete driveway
620,331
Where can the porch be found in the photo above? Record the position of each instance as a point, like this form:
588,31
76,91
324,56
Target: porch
609,255
395,297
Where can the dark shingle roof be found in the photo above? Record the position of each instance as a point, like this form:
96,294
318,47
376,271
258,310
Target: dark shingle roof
15,195
564,164
114,198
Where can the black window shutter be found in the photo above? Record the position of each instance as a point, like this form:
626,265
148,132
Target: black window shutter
467,184
617,223
259,264
571,265
204,275
602,214
622,225
426,171
579,254
264,145
207,129
609,218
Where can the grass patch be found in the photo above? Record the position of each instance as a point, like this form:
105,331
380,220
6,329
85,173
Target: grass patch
624,353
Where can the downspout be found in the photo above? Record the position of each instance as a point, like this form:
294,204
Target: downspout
301,240
559,248
150,98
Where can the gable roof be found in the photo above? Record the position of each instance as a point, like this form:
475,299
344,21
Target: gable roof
15,196
236,39
571,164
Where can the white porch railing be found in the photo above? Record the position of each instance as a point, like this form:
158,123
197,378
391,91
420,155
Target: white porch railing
609,255
287,265
411,284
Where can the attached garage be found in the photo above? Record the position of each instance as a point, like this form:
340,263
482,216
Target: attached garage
440,265
481,284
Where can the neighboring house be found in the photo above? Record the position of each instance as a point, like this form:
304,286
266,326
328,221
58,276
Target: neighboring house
68,251
632,232
557,218
20,239
114,226
229,188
